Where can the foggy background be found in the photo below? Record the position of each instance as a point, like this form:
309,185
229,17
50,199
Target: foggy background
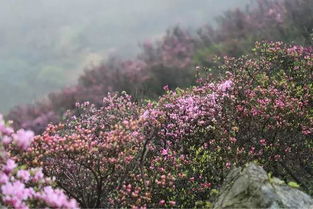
46,44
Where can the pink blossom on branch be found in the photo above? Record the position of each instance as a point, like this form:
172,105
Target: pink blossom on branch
23,138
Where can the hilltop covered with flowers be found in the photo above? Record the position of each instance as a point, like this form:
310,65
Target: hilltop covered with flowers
159,132
176,151
171,60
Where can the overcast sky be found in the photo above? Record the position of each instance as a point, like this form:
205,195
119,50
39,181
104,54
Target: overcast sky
45,44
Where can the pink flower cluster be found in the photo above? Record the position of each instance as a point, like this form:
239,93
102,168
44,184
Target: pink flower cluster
15,181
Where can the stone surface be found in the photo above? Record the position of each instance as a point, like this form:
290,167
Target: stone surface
251,187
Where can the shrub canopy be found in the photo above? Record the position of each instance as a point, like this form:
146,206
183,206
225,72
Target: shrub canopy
177,151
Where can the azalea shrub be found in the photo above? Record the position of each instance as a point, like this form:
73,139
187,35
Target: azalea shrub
91,152
23,187
270,116
177,151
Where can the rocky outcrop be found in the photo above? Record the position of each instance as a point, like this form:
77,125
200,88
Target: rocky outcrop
252,187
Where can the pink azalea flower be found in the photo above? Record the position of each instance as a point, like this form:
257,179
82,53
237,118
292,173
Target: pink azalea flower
172,203
164,152
232,139
24,175
145,115
10,165
263,142
166,88
162,202
3,178
56,198
38,175
6,140
14,194
225,86
23,138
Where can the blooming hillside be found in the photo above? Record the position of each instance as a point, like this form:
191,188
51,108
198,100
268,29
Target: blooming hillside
176,151
171,60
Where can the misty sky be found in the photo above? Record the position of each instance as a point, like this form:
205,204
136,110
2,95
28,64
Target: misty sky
45,44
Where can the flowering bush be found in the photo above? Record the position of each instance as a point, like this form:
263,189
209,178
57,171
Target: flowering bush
270,115
92,151
21,187
177,151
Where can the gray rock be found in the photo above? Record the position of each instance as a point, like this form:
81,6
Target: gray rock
251,187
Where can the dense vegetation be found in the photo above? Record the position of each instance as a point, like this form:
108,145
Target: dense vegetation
176,152
131,138
172,60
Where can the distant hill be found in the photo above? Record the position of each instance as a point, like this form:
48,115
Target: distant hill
45,45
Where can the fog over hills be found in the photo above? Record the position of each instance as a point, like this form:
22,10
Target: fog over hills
45,44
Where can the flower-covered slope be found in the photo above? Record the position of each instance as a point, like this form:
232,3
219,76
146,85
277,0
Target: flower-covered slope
177,151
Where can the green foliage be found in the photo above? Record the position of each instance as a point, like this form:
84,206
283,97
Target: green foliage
293,184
